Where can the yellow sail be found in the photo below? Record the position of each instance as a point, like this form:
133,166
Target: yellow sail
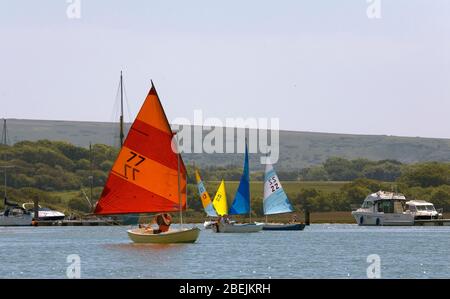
220,200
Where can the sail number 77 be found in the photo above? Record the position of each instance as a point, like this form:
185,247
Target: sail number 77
131,166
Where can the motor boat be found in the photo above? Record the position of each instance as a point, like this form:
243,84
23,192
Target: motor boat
423,210
43,213
393,209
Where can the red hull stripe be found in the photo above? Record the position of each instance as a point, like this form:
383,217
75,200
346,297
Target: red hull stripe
121,197
149,141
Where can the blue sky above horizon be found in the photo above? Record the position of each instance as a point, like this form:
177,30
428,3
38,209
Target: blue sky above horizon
316,65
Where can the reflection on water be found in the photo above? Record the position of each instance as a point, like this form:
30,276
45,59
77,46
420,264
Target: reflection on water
320,251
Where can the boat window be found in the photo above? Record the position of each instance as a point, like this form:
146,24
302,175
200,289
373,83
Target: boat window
430,208
398,207
411,208
367,205
385,206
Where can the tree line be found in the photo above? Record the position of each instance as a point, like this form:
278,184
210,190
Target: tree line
45,166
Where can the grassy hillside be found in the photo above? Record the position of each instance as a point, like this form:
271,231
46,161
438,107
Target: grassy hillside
297,149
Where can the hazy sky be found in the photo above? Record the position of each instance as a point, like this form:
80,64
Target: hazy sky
317,65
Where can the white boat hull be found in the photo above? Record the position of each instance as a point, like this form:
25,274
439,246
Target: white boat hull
140,235
238,228
22,220
208,224
382,219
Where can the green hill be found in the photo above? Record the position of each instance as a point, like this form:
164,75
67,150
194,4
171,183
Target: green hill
297,149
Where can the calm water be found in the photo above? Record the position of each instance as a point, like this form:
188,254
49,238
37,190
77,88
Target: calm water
320,251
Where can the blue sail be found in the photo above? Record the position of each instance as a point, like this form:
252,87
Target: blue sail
241,202
275,199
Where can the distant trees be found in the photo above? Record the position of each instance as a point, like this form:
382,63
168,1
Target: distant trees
44,166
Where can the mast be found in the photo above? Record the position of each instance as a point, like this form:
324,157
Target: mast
179,180
4,141
4,133
249,191
121,110
91,177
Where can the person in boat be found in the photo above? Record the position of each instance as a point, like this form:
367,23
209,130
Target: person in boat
164,221
294,219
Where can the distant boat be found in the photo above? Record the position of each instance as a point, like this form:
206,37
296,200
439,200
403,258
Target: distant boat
393,209
148,176
13,214
206,201
43,213
276,201
240,206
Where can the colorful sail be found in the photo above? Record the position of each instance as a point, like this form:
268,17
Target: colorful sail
144,177
204,196
241,202
275,199
220,200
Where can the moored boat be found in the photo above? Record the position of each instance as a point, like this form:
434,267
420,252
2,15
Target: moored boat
43,213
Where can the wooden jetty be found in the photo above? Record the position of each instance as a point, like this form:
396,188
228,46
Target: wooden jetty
77,222
432,222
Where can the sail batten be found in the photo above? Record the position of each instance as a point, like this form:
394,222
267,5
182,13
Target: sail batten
275,199
144,177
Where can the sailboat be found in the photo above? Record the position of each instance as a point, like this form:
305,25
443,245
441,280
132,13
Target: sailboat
12,214
206,201
276,201
240,206
148,176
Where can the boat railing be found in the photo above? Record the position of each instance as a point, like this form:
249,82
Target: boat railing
354,207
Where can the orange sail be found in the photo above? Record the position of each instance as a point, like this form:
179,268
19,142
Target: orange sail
144,178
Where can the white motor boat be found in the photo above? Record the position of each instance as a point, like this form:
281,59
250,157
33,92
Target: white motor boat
393,209
423,210
44,213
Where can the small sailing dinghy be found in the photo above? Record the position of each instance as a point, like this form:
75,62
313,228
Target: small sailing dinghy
276,201
206,201
240,206
148,176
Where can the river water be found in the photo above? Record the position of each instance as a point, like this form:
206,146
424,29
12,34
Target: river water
320,251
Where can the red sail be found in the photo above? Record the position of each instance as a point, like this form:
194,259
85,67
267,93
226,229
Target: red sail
144,178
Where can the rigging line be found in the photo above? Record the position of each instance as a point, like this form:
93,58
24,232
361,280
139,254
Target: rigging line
127,102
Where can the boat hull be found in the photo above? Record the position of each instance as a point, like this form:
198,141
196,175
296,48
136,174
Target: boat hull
238,228
24,220
171,237
382,219
208,224
283,226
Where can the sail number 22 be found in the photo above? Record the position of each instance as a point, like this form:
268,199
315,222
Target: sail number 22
273,183
131,166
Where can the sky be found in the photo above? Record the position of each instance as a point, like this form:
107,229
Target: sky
317,65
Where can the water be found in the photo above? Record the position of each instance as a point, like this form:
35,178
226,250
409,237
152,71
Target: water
320,251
